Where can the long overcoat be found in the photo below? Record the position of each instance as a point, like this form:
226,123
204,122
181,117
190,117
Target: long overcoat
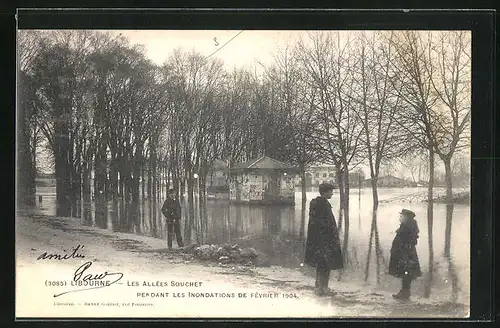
323,242
404,259
171,209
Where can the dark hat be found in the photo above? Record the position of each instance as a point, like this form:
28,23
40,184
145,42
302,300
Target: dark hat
408,213
325,186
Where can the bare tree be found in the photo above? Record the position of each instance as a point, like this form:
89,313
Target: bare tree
61,71
378,103
328,63
414,82
29,136
416,162
451,80
295,101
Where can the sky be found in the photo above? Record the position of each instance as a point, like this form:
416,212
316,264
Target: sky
242,51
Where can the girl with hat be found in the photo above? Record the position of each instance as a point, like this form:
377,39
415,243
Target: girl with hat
404,261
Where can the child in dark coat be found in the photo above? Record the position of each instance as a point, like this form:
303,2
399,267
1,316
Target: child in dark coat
404,261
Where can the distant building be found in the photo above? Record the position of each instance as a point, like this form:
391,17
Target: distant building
217,179
356,179
263,181
315,175
391,181
45,175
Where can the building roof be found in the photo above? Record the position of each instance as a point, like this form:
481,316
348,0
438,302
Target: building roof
263,162
219,165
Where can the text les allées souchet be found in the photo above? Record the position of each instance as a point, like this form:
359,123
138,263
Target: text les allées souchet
172,283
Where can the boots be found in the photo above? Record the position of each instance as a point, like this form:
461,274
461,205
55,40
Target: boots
322,279
404,293
319,288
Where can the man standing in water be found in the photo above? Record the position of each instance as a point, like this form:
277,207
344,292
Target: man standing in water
172,210
323,242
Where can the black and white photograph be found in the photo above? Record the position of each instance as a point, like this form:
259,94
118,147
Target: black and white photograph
243,173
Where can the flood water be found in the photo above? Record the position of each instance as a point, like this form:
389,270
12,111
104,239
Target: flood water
280,232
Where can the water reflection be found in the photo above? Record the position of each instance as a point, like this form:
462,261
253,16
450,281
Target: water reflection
379,258
279,231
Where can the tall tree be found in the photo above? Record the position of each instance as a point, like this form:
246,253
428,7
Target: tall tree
414,82
451,80
378,103
328,63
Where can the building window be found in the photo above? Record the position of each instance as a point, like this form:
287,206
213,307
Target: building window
324,175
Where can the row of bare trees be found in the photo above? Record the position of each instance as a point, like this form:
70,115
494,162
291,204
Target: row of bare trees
344,98
107,113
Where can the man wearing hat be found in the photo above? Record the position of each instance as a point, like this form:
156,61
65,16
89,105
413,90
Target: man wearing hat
323,242
404,261
171,209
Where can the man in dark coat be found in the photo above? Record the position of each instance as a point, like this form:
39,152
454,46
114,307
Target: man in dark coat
323,242
404,261
171,209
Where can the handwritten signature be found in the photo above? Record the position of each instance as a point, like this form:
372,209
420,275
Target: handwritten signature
73,255
81,276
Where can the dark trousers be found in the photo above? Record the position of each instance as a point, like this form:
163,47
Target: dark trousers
174,227
322,278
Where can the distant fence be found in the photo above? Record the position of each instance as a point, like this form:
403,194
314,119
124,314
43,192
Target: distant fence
460,195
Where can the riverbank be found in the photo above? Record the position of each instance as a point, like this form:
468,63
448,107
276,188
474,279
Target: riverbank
270,291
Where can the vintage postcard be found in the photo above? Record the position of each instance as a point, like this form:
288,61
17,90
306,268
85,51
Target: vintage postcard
243,173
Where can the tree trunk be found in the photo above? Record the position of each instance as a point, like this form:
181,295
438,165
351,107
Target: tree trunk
138,163
200,207
115,219
143,183
449,206
63,207
368,257
150,187
76,194
182,189
340,185
374,192
303,201
430,219
346,214
378,250
113,175
26,186
99,187
190,185
359,202
154,183
86,194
